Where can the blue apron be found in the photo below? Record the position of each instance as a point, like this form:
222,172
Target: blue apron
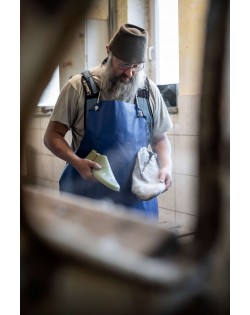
118,130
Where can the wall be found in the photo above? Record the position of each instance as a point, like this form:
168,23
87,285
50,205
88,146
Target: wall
178,206
74,59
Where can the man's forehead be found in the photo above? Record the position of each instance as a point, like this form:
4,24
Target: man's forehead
125,62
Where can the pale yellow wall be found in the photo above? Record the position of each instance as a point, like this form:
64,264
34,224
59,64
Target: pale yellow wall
100,10
122,12
74,59
178,206
192,14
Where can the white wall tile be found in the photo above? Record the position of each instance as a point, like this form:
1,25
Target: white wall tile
44,122
166,200
186,223
35,123
44,149
172,141
186,190
33,139
48,184
187,119
45,167
58,166
186,155
166,218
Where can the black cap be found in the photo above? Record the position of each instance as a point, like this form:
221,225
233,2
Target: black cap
129,44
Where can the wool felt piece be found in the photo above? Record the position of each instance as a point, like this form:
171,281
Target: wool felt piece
129,44
145,178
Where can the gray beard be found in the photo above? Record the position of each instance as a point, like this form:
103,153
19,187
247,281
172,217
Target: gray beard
114,89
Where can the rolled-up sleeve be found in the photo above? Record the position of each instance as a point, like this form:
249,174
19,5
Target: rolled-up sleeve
162,120
69,109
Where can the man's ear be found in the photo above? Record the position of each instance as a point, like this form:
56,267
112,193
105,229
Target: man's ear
107,49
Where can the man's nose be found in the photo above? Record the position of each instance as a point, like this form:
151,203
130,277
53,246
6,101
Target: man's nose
129,72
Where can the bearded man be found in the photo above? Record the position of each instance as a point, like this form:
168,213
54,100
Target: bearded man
115,126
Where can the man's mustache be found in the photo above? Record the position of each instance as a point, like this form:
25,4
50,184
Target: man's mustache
124,76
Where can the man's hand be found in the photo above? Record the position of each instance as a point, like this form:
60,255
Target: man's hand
165,177
162,146
84,168
54,140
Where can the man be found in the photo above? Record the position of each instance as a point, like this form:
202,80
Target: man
114,126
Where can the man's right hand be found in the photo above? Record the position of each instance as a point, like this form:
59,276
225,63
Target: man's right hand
54,140
84,168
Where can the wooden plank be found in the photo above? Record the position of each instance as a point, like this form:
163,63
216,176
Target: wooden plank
101,232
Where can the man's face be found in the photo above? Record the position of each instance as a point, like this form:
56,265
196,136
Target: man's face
121,81
124,71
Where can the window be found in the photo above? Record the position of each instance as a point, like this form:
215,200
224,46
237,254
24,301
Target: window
50,94
167,51
96,39
167,41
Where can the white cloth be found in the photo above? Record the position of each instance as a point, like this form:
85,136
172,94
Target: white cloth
145,178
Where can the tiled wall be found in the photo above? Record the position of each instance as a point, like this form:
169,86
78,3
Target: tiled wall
178,206
47,166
